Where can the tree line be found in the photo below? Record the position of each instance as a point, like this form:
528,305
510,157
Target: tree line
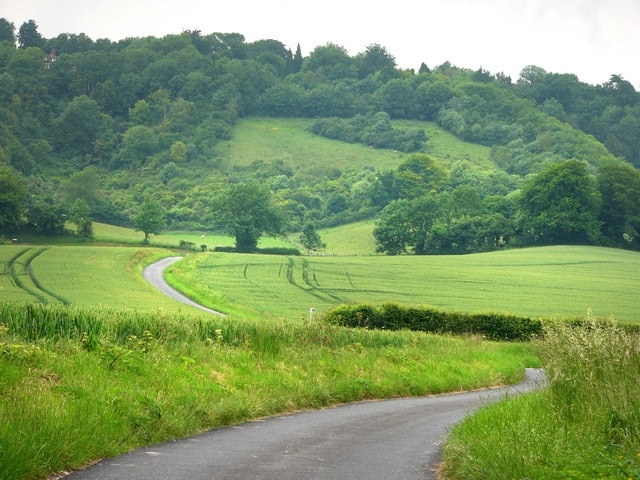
562,204
91,128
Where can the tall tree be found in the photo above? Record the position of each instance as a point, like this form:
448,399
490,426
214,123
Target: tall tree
405,225
28,35
560,205
418,175
375,59
246,212
7,31
296,62
13,197
150,219
619,186
77,126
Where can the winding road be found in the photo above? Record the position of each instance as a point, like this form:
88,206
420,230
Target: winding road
388,439
154,274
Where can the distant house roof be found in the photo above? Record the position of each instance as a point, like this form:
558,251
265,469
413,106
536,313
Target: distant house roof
50,58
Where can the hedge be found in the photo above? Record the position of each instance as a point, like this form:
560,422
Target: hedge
389,316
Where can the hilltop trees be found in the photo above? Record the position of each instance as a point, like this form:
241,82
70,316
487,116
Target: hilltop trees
7,31
28,35
156,114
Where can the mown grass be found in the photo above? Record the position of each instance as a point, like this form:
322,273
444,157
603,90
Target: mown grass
84,383
585,425
538,282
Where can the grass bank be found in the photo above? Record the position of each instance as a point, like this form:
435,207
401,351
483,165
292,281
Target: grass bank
586,425
112,380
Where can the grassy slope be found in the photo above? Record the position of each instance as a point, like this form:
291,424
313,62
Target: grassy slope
289,141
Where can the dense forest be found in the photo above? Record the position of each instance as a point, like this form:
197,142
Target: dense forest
110,131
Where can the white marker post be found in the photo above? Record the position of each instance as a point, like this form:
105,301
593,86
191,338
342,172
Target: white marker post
312,314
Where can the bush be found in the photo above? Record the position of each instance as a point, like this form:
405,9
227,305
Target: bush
389,316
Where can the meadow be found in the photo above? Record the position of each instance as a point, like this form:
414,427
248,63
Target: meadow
290,141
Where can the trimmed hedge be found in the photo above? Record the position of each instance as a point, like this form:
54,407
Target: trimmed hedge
390,316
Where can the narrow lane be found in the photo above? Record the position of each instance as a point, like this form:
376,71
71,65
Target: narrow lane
154,274
379,440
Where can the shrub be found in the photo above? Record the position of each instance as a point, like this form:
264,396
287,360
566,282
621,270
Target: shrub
494,326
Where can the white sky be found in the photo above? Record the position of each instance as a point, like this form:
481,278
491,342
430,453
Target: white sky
591,38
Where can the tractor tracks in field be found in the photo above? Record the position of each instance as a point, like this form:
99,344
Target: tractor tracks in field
19,270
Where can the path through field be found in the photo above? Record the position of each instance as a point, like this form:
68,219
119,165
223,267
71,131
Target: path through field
154,274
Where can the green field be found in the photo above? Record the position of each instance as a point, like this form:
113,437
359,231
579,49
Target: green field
81,275
109,234
289,141
538,281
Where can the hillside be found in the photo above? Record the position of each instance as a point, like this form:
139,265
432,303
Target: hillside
95,128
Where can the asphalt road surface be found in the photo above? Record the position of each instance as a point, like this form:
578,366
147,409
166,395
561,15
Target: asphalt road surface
154,274
388,439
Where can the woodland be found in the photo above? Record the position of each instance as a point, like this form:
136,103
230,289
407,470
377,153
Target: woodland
129,132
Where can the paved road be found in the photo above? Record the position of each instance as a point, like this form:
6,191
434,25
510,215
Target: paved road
390,439
154,274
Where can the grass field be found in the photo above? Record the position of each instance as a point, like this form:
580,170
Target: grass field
99,343
81,275
109,234
290,142
537,282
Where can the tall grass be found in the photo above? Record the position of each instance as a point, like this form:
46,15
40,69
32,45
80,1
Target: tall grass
585,425
81,383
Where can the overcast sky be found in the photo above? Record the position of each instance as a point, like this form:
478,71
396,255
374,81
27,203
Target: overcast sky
591,38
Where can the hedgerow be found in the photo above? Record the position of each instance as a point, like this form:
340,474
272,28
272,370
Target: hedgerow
390,316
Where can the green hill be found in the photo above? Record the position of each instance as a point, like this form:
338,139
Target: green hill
333,137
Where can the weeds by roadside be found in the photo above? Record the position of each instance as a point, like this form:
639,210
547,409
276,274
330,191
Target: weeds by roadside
585,425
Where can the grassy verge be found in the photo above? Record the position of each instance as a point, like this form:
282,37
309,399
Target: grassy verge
586,425
83,383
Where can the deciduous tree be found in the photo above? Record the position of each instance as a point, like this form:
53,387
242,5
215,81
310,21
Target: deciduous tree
310,238
150,219
7,31
246,211
13,197
560,205
28,35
